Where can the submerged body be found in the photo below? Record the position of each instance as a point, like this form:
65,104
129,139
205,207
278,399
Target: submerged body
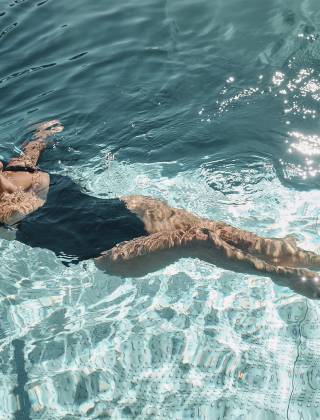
54,213
78,226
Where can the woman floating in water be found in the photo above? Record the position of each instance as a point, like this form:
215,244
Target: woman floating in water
129,234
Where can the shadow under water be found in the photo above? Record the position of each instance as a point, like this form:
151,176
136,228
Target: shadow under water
24,405
143,265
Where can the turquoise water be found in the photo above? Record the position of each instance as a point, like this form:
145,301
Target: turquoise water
214,107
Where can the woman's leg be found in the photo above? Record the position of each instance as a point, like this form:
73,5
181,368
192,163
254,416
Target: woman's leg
157,216
32,149
121,258
193,238
160,241
276,251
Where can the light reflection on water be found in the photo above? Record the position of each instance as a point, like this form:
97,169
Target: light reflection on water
189,340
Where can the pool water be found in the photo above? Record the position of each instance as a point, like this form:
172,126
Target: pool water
212,106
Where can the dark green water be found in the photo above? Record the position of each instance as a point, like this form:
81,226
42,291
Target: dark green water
135,76
213,106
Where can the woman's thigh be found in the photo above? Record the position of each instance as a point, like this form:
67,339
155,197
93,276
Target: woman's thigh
158,216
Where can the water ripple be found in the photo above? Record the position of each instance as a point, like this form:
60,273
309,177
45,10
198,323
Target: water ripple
213,107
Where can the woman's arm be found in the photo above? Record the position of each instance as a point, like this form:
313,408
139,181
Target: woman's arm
32,150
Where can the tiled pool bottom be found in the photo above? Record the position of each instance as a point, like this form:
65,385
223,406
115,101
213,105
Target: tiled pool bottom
189,341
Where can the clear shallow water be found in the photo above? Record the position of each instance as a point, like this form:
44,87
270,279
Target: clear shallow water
214,107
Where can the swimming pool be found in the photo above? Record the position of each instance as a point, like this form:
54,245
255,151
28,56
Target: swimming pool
212,106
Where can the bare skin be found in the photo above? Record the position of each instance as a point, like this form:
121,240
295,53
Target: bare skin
169,229
22,192
188,235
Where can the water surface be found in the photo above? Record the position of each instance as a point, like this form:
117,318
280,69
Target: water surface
214,107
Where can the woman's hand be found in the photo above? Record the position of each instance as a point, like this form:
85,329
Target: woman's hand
47,129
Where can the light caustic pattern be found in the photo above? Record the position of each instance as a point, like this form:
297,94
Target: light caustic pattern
190,341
